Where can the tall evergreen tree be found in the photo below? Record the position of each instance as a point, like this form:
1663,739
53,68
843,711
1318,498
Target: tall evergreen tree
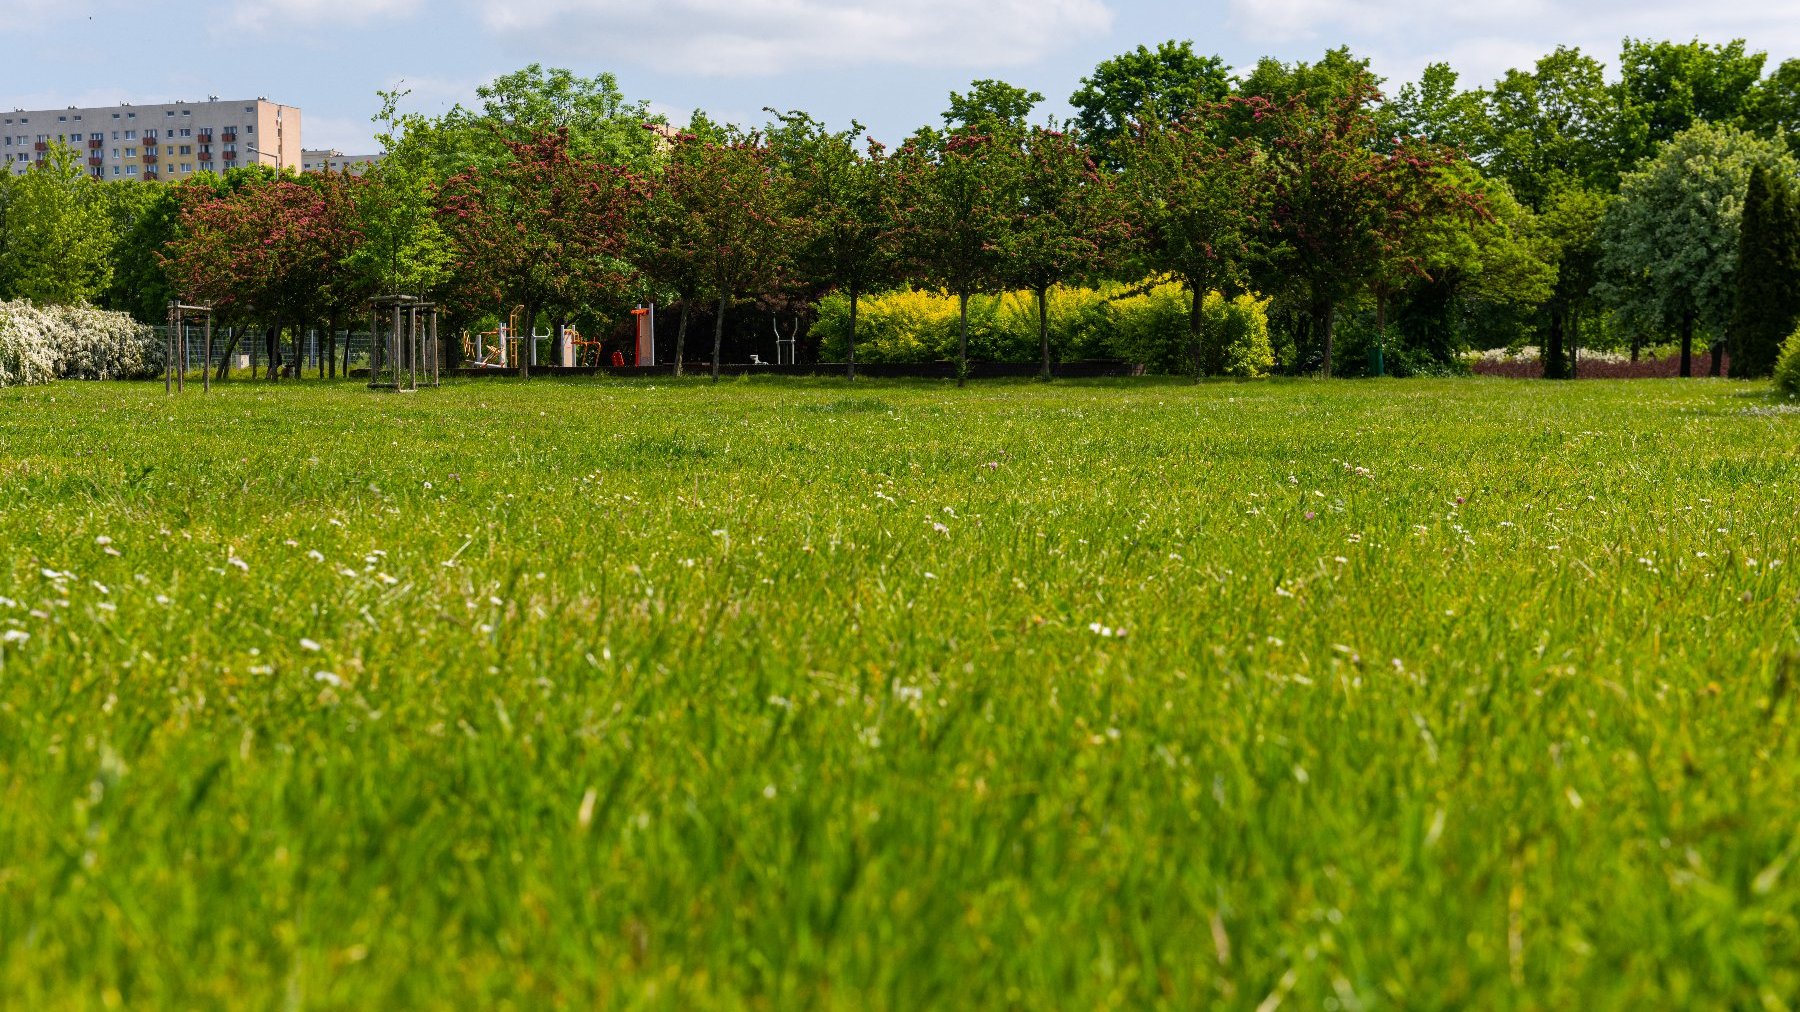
1768,276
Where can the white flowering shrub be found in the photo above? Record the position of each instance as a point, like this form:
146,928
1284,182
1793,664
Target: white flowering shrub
96,344
27,350
39,344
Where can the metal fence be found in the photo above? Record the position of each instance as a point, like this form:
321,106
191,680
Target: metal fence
249,352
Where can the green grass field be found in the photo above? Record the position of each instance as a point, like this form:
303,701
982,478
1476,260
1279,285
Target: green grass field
779,695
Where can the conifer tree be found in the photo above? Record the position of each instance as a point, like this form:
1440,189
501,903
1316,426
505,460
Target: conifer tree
1768,276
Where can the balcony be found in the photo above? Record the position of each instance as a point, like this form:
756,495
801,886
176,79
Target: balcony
149,173
41,146
228,136
96,160
95,144
204,137
205,156
150,158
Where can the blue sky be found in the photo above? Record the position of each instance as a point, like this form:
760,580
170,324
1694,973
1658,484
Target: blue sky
889,63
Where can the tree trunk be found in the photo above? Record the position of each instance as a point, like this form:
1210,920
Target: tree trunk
1329,325
1555,364
328,363
1380,334
681,334
1043,299
346,354
1687,345
1197,330
298,365
719,335
528,322
1718,352
850,365
962,347
272,348
224,369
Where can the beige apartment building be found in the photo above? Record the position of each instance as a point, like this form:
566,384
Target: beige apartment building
157,141
333,160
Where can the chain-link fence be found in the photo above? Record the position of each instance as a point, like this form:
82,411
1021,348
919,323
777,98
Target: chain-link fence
246,349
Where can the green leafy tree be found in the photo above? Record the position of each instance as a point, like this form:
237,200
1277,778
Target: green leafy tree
1435,109
841,210
145,218
1767,305
1774,106
991,106
1570,227
58,234
1666,87
1670,242
1161,85
1550,128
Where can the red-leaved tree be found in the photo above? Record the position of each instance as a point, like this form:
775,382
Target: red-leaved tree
544,229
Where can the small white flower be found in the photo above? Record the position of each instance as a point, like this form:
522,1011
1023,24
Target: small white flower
240,563
102,540
311,645
769,792
329,678
940,528
14,636
315,555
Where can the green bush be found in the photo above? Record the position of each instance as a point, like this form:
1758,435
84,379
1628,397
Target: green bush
1235,338
1787,367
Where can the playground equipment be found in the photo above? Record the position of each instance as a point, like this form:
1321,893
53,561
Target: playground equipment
409,344
645,318
786,348
175,339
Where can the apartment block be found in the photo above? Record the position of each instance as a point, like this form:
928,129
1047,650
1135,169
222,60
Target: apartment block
169,141
333,160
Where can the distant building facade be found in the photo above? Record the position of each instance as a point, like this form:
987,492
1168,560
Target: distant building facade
171,141
333,160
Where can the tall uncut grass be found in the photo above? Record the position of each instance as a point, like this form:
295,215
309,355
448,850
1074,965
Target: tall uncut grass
788,695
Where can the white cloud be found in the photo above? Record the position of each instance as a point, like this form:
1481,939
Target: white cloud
745,37
267,15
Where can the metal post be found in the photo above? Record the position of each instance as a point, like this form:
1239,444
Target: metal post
181,338
206,370
169,351
437,351
412,343
394,346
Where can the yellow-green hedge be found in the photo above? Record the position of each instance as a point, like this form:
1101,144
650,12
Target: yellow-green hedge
916,325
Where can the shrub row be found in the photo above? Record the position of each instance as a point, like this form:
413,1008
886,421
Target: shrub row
1109,322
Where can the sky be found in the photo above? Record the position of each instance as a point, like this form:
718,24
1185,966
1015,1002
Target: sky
888,63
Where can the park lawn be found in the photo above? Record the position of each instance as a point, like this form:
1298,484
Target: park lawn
789,694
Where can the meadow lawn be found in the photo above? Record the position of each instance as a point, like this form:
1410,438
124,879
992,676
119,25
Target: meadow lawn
799,694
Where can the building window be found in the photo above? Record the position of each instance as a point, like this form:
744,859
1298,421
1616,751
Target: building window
115,170
250,129
187,166
187,149
131,170
185,132
131,115
131,135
